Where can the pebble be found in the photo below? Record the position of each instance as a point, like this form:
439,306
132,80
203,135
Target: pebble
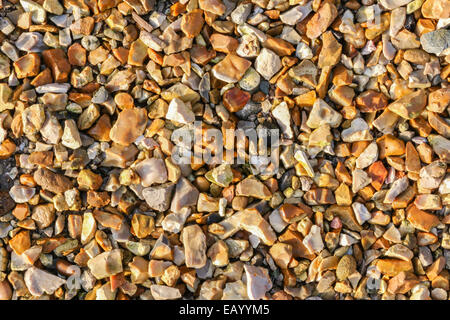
267,63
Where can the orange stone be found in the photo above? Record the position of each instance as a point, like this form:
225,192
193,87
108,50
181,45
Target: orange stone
76,55
378,173
20,242
223,43
56,60
27,66
392,267
124,100
279,46
201,55
7,148
420,219
235,99
291,213
371,101
390,145
192,23
100,131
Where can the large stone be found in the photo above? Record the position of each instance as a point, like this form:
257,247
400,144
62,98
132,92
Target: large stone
158,198
39,281
194,241
129,126
186,195
152,171
321,113
436,42
231,68
179,112
267,63
106,264
252,187
51,181
258,281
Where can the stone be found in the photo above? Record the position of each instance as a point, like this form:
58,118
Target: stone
321,20
175,221
358,131
38,14
235,99
398,186
392,267
321,113
313,241
421,220
151,171
360,179
179,112
258,281
368,156
221,175
296,14
71,136
56,60
106,264
223,43
21,194
435,9
160,292
158,197
43,215
186,195
130,124
51,181
214,6
252,187
345,267
436,42
39,282
194,242
330,54
27,65
192,23
361,213
267,63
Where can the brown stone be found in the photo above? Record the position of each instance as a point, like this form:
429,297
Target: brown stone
56,60
129,126
231,68
27,65
371,100
192,23
223,43
279,46
51,181
235,99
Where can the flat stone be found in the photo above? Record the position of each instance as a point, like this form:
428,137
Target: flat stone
252,187
129,126
151,171
267,63
194,242
39,282
160,292
51,181
359,131
258,281
106,264
179,112
186,195
159,197
321,20
321,113
231,69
